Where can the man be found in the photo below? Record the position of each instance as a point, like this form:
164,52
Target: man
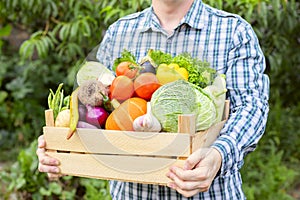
230,45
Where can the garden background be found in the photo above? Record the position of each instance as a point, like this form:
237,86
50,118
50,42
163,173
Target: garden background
42,44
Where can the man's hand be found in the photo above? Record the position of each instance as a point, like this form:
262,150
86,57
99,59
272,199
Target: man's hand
198,172
46,163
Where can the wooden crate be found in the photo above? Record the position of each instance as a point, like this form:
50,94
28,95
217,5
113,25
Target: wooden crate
142,157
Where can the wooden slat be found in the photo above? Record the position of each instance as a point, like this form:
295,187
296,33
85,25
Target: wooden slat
226,110
206,138
187,124
49,118
118,142
149,170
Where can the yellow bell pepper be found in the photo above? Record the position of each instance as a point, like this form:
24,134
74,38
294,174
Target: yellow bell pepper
169,73
182,71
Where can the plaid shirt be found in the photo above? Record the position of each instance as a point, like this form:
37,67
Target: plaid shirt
230,45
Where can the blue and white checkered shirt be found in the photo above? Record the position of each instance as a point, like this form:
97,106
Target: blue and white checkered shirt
230,45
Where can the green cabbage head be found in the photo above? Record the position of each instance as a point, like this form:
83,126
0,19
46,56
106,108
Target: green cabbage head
182,97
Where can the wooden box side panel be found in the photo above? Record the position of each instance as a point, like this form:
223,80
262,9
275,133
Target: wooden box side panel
206,138
148,170
118,142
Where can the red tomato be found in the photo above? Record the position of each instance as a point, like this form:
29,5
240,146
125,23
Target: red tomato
127,69
121,88
145,84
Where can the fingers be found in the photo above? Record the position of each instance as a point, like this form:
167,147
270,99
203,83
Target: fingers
47,160
44,159
189,185
197,174
47,164
192,161
48,169
188,182
41,142
54,177
185,193
189,188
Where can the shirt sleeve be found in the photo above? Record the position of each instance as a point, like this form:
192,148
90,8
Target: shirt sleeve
248,92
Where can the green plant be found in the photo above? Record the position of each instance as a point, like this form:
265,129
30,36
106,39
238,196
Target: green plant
245,8
95,189
281,46
4,31
69,28
264,175
284,128
23,99
24,181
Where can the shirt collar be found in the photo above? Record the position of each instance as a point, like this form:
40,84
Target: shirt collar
194,17
151,20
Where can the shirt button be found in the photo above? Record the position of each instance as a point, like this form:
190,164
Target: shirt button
169,41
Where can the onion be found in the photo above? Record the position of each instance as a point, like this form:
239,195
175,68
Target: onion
63,119
96,115
82,124
82,112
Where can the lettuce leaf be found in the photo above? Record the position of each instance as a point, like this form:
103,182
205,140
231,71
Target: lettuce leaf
217,91
200,72
126,56
157,57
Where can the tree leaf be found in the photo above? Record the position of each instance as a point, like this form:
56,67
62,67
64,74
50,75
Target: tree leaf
86,28
6,30
74,30
26,49
64,32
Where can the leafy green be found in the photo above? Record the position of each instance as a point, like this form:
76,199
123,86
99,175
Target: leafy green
200,72
182,97
94,70
206,109
217,91
171,100
157,57
125,56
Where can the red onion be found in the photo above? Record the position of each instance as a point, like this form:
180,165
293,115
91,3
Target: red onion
96,115
82,124
82,112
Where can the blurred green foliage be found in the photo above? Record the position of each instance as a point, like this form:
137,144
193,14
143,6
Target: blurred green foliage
24,181
60,34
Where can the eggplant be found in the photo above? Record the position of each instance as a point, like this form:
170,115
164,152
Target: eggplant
148,67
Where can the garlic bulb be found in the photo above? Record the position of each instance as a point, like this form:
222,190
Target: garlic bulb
147,122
